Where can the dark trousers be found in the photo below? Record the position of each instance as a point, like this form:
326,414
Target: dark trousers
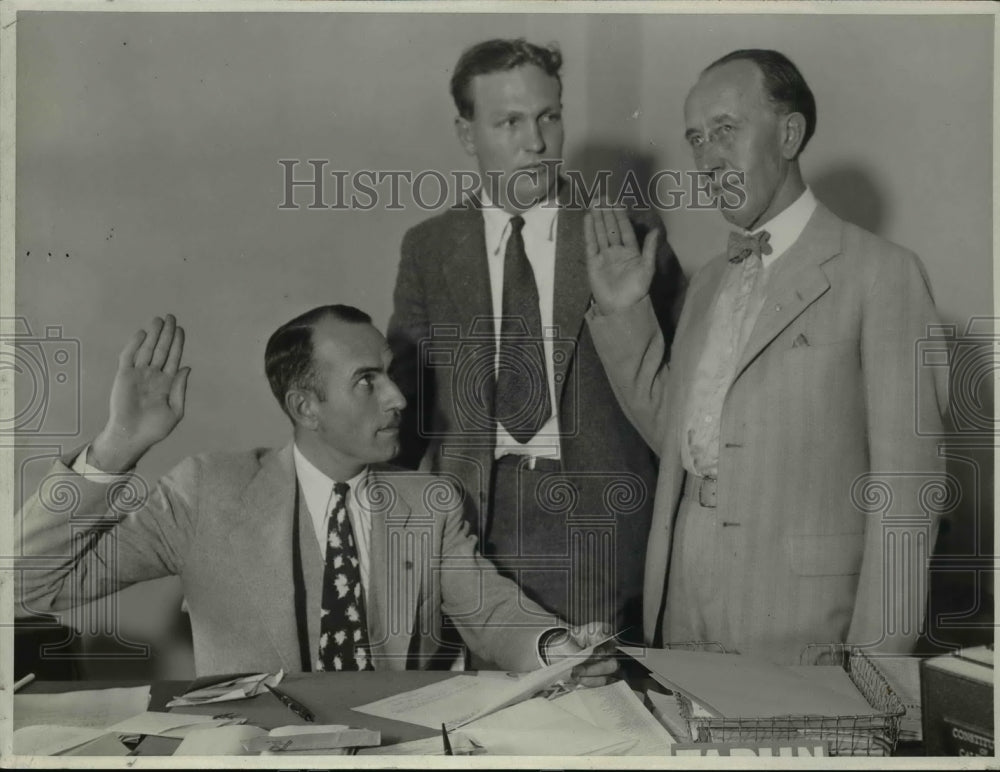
549,531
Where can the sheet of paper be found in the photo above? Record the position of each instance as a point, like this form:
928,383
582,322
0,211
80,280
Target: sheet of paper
234,689
105,745
175,725
733,685
97,708
540,727
50,740
457,701
615,707
438,703
461,745
667,710
219,741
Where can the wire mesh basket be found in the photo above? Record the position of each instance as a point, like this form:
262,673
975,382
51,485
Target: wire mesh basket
861,735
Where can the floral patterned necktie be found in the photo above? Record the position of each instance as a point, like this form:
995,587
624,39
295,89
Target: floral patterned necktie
343,639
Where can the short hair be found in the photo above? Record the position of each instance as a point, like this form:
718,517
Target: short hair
499,55
288,357
783,83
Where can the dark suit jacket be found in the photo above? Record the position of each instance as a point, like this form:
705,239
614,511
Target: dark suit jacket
441,333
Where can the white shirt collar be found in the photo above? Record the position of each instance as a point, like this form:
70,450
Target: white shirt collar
317,487
786,226
539,221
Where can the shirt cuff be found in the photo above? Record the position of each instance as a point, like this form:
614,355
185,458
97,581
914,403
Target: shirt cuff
545,639
92,473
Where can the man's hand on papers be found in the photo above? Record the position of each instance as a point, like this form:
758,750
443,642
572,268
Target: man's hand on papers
602,667
147,397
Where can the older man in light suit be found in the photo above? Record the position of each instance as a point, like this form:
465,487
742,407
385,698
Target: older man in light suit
792,500
313,557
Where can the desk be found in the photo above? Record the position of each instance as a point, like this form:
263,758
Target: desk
329,695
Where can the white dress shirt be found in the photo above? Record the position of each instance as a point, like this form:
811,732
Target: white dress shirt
317,490
784,229
539,234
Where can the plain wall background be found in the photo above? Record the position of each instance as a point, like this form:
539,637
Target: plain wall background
148,179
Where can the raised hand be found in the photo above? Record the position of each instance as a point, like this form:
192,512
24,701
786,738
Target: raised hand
147,397
620,274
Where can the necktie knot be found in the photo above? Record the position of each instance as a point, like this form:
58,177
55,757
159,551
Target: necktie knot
516,224
340,491
741,245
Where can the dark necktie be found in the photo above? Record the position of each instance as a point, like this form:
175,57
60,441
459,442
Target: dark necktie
343,634
522,403
741,246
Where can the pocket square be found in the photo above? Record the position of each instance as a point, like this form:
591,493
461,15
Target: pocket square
801,340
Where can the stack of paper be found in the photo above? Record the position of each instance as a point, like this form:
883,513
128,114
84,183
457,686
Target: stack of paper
616,708
175,725
236,740
233,689
540,727
903,675
458,701
737,686
75,723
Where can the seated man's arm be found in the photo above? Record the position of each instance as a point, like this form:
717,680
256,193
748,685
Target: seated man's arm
498,622
82,537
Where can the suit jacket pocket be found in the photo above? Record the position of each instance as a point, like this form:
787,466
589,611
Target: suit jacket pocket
836,554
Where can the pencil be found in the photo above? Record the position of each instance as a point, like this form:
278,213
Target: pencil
24,681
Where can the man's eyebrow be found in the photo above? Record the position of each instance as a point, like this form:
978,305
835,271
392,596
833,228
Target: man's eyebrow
367,370
690,133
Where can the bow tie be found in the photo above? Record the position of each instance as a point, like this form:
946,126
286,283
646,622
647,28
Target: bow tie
742,246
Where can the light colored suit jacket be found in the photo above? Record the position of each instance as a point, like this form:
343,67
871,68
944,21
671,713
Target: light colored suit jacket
223,523
824,483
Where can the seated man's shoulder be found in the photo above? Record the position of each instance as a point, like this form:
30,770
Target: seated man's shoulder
437,493
225,467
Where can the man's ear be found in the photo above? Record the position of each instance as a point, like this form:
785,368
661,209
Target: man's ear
793,133
463,128
301,408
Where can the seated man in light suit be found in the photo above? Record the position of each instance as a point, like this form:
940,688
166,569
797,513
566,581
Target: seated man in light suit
311,557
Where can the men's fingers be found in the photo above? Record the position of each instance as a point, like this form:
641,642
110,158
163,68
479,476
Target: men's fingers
145,352
625,228
599,230
127,357
164,342
649,247
611,227
589,236
176,351
178,391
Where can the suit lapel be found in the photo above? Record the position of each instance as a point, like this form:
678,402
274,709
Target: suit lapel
261,531
394,577
571,288
467,272
797,283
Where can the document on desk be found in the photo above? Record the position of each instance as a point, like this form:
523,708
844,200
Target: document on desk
735,685
615,707
459,700
175,725
239,688
540,727
96,708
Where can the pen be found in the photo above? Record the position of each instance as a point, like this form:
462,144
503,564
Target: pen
297,708
24,681
447,743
